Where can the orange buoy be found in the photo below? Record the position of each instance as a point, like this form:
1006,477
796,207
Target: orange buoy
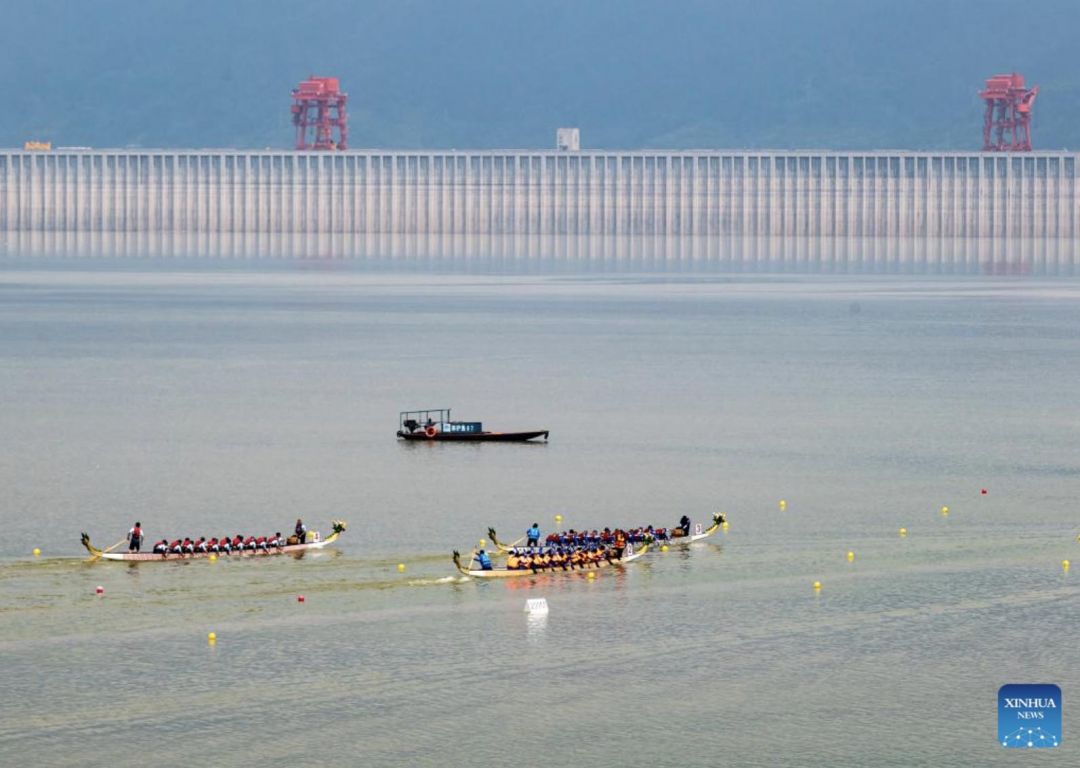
430,431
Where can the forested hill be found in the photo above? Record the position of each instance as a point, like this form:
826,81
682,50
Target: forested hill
505,73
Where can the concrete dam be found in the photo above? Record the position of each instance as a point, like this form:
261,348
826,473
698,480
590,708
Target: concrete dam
800,194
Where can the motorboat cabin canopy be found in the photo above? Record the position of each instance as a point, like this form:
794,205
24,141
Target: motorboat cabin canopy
437,419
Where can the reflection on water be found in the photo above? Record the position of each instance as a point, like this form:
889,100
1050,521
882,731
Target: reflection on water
537,626
575,253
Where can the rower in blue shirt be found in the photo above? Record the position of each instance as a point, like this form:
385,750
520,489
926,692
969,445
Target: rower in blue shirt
533,535
485,561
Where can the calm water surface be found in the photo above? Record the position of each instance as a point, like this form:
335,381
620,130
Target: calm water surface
210,402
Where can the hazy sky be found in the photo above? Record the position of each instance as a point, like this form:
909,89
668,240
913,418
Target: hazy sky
506,73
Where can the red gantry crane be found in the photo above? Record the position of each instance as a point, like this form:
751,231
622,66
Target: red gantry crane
319,105
1007,124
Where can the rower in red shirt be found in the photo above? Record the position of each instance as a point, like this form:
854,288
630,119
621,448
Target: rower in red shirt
174,547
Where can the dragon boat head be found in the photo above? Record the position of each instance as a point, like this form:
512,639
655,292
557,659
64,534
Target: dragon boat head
84,537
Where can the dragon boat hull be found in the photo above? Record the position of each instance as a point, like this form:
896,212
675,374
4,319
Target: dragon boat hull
288,549
517,573
717,521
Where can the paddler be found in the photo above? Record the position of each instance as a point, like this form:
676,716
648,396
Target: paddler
533,536
620,543
200,545
513,562
484,560
174,547
161,548
135,537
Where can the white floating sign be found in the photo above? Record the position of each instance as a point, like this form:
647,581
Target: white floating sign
538,605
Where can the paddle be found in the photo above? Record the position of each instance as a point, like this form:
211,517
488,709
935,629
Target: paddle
114,546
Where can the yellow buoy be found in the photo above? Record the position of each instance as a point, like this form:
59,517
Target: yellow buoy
483,543
724,525
592,574
664,548
783,505
37,552
1064,565
558,518
944,510
817,585
213,558
903,531
851,557
401,567
211,638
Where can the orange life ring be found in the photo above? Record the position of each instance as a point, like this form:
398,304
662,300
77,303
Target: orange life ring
429,431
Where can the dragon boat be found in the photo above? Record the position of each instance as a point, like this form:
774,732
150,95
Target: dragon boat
435,425
630,554
677,535
316,542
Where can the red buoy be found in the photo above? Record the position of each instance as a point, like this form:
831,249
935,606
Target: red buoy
299,598
100,590
983,491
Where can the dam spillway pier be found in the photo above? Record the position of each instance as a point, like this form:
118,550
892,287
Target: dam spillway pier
621,193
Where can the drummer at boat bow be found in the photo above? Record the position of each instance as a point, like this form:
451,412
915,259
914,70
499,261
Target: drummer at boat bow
533,535
135,537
